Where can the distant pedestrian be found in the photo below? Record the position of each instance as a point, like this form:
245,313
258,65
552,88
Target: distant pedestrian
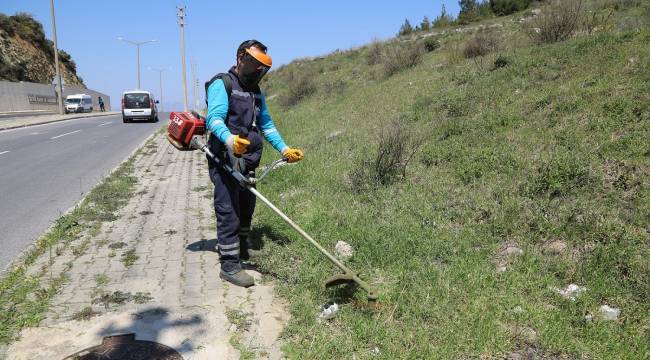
101,104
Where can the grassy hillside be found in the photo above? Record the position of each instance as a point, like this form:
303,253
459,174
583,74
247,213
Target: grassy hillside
530,172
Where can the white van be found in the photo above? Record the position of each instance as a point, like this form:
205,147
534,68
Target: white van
78,103
139,105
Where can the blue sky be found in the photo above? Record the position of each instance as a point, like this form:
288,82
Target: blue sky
290,28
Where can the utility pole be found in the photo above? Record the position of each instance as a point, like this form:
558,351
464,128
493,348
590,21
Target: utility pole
137,45
181,23
56,58
160,71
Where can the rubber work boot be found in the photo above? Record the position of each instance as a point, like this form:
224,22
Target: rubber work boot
238,277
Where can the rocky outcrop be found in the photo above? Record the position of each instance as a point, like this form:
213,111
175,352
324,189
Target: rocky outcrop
26,55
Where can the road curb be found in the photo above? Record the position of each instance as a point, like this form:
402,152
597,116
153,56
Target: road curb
57,120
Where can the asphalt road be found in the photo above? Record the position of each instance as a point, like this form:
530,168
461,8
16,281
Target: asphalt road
46,169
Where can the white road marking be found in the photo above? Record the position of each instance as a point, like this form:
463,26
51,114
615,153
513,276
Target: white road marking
58,136
4,152
106,123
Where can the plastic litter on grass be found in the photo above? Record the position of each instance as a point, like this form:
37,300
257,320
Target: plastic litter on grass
571,291
328,311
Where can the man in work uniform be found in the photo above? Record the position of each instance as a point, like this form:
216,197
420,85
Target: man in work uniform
237,118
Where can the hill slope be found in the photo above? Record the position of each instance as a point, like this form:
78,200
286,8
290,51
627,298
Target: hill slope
530,173
26,55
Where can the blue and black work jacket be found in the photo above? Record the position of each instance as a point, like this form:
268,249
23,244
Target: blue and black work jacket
243,109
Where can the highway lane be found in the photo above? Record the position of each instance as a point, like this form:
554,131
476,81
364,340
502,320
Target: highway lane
46,169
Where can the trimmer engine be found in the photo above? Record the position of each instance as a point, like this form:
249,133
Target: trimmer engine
182,127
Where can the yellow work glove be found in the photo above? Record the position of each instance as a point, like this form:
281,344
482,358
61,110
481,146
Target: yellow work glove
237,144
293,155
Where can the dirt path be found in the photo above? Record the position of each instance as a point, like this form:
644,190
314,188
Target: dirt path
154,272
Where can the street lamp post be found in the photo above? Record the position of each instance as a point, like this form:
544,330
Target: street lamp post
56,59
137,45
160,71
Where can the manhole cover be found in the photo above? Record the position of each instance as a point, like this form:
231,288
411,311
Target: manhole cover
126,347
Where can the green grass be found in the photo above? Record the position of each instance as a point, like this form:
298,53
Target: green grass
129,257
240,319
242,323
84,314
244,353
101,280
119,297
551,146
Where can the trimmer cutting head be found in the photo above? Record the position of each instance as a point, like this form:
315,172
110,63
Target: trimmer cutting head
350,279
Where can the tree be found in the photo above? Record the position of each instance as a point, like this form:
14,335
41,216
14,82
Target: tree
444,19
406,28
472,10
507,7
425,25
466,6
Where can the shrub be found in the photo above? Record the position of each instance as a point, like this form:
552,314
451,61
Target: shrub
299,87
479,45
500,62
597,20
374,53
431,44
556,23
619,4
399,57
31,30
6,24
396,147
12,72
406,29
507,7
67,61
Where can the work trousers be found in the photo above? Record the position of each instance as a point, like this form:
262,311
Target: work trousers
234,207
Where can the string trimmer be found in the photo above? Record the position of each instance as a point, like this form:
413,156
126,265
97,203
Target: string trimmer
186,132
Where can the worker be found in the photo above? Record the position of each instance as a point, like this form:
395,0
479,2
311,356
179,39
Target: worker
237,119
